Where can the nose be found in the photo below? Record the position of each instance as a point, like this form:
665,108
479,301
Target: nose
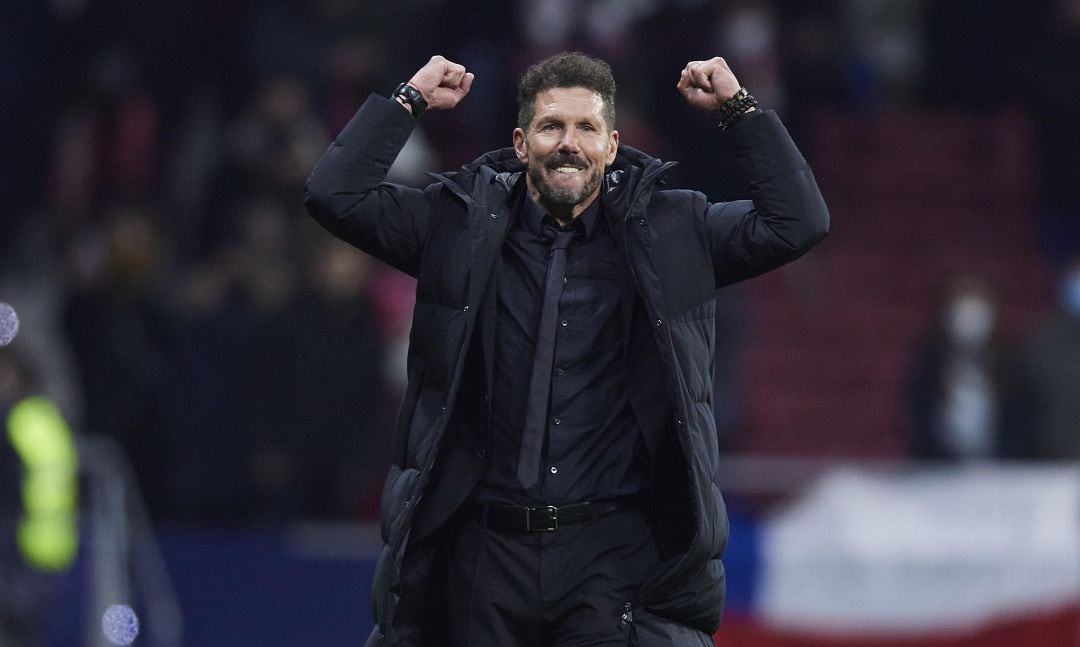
568,143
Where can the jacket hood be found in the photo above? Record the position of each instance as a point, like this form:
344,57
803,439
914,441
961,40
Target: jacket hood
503,160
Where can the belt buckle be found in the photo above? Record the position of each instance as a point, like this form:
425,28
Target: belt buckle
550,509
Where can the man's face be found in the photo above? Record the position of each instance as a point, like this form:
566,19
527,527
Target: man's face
566,147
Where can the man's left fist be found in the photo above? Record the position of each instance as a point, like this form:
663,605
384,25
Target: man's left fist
707,84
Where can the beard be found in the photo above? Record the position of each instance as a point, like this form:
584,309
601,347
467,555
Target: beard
563,196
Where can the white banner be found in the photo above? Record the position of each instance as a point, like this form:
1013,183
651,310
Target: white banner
923,551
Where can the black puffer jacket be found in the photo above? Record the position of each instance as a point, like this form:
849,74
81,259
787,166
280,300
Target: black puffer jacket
680,249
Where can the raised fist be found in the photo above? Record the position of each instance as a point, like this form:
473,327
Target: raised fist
442,82
707,84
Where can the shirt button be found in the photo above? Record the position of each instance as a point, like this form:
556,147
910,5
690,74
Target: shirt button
564,323
564,279
560,371
554,470
659,322
557,421
494,215
466,309
481,453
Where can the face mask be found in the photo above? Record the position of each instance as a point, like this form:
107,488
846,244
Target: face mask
970,320
1070,293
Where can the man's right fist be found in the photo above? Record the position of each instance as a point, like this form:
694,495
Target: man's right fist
442,82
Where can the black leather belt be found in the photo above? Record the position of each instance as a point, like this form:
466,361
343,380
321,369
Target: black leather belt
545,518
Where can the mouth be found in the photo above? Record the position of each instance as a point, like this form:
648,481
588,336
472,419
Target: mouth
566,165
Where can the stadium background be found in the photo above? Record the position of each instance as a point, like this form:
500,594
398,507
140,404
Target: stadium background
233,372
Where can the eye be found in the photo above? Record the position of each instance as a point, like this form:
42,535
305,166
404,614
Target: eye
547,128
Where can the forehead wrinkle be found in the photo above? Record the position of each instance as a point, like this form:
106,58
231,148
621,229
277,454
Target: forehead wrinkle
593,104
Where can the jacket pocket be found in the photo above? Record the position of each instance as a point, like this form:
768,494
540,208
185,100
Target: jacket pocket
698,603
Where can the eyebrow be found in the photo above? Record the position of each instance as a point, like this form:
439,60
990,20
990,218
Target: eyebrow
558,117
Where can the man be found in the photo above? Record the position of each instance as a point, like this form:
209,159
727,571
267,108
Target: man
39,535
555,452
1049,376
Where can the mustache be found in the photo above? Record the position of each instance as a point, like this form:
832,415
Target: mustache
562,159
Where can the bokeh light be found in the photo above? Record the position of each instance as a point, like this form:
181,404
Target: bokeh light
120,624
9,324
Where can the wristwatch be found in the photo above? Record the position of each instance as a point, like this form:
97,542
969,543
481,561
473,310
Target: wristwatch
411,96
730,110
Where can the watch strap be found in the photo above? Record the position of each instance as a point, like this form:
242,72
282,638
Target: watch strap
413,97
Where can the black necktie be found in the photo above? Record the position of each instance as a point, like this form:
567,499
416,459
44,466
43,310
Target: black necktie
536,411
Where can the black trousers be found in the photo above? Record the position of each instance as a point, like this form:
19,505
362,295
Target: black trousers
570,586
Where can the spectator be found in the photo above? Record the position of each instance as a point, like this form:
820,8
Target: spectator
1051,373
266,150
201,422
959,387
228,367
117,328
38,504
108,147
336,439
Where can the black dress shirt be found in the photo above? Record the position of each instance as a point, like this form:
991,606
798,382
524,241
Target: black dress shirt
592,440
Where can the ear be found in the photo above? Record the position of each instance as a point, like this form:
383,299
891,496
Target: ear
613,147
520,147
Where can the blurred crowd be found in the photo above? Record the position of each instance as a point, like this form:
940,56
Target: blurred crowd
976,395
152,199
